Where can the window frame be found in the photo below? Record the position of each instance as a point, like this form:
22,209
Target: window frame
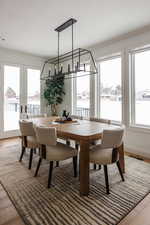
38,69
74,92
25,71
97,89
132,116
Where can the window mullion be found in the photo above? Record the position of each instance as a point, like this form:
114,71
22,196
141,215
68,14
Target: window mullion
99,90
132,91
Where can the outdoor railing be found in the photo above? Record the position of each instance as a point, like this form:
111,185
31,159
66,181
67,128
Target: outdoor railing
31,108
35,109
84,112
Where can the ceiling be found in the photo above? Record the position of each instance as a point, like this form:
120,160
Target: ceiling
28,25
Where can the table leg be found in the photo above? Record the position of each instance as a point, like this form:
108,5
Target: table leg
121,157
84,168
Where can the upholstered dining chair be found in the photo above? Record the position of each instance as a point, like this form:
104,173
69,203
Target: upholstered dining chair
52,150
68,141
100,120
107,152
28,139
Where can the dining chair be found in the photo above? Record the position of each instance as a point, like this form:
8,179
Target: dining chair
29,140
67,141
52,150
100,120
107,152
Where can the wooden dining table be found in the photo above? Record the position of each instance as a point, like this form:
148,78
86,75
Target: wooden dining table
84,132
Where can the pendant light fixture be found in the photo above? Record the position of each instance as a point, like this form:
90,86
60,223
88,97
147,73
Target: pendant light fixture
71,64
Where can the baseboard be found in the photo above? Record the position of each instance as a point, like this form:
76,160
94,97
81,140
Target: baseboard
9,138
137,156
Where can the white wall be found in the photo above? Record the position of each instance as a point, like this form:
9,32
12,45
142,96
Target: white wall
15,57
137,140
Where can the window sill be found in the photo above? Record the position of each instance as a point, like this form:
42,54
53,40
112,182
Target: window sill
118,123
139,128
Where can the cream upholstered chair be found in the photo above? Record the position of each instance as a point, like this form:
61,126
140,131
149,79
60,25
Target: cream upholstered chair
107,152
68,141
28,139
52,150
100,120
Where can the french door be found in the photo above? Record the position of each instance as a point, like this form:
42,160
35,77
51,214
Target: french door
20,95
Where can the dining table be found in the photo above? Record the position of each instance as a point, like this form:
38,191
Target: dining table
83,132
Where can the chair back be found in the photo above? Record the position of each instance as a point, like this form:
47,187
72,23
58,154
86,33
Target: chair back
100,120
26,128
112,138
46,135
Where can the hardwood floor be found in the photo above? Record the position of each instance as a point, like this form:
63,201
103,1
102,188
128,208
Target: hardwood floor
8,213
140,215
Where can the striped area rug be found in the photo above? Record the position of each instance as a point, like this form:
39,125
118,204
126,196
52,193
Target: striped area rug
61,204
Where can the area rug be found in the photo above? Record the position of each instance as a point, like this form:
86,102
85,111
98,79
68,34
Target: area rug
62,204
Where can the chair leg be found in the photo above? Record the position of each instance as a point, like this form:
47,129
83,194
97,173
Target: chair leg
76,146
38,166
50,173
94,166
120,171
31,156
22,153
106,179
34,150
99,167
75,165
57,163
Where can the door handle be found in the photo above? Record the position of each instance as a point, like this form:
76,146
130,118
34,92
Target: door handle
21,109
25,108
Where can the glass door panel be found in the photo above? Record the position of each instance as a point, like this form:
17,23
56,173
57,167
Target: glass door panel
33,91
111,89
11,97
82,94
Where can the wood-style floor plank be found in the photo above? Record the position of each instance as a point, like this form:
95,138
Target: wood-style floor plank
140,215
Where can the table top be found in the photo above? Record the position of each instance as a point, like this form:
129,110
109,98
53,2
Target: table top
81,129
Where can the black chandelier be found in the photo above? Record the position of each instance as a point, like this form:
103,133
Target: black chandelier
71,64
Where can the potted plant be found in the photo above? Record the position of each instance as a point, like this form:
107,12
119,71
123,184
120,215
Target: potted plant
53,93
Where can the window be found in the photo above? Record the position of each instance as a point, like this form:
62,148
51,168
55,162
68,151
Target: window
82,94
33,96
11,97
140,83
110,89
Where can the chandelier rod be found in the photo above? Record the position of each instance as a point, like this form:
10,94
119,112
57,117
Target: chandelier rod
72,48
58,51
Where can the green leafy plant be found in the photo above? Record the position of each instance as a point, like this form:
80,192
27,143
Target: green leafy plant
53,93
